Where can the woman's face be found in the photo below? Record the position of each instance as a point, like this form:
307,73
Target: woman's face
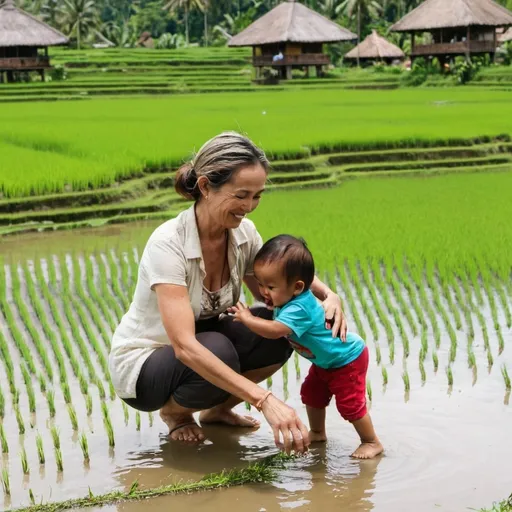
229,204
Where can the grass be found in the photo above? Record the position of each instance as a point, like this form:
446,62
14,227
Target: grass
82,145
256,472
502,506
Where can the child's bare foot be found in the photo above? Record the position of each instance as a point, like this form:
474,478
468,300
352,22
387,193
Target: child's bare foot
317,437
368,450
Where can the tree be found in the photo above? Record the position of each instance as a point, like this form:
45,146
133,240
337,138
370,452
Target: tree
366,8
187,6
79,17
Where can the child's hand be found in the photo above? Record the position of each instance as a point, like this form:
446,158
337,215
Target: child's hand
240,312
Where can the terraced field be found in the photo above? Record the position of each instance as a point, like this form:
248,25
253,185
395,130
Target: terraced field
152,196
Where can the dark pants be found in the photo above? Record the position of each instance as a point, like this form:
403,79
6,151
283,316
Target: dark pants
163,375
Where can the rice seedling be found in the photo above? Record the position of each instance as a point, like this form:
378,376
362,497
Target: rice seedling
378,354
369,390
2,403
72,417
150,418
104,288
84,445
384,376
108,424
435,361
6,483
498,288
66,393
392,353
54,432
116,279
3,440
449,375
88,404
19,420
125,412
42,384
506,378
407,382
341,275
296,363
31,497
58,460
403,277
40,449
24,461
269,382
50,398
422,372
30,390
284,372
490,359
471,357
137,421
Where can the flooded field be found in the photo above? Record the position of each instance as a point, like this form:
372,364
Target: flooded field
438,384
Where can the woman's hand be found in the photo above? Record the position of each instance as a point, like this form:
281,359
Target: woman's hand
284,421
334,317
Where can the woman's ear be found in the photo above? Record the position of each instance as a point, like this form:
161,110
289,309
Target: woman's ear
299,288
202,184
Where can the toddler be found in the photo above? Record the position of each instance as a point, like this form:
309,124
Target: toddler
284,269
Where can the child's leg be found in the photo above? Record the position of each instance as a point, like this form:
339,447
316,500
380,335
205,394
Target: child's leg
349,388
370,445
315,396
316,424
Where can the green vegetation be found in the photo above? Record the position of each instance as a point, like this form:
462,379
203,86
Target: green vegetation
502,506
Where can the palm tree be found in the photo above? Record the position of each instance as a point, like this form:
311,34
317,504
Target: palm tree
80,17
187,5
368,8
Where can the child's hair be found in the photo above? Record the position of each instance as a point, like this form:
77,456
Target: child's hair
293,253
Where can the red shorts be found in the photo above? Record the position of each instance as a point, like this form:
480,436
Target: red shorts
347,384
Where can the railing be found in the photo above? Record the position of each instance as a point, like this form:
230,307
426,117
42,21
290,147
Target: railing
304,59
24,63
459,48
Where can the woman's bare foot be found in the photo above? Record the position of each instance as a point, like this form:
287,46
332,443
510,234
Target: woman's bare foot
183,428
368,450
228,417
317,437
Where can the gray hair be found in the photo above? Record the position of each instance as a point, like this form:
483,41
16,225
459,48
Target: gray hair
218,159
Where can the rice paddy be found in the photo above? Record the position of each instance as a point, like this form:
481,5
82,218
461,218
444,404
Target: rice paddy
433,305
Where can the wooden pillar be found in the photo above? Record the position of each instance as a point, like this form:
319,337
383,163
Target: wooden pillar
494,44
288,72
468,44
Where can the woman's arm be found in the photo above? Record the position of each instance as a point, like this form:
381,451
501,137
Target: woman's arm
178,320
331,302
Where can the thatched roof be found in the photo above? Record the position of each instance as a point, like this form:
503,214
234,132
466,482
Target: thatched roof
291,22
436,14
375,47
18,28
506,36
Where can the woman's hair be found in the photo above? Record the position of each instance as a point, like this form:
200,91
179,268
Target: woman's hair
219,159
294,256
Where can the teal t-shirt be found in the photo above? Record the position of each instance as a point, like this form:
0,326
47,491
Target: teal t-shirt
305,316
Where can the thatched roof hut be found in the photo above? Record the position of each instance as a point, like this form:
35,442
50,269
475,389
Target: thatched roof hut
457,27
375,48
19,28
506,36
21,37
291,35
437,14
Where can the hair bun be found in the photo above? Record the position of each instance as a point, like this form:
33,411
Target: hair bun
185,182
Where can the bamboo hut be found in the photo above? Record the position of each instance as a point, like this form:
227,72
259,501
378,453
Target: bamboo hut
375,48
291,36
456,27
24,42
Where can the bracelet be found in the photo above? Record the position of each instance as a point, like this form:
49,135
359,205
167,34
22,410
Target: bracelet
260,403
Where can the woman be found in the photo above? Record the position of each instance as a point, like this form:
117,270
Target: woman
174,350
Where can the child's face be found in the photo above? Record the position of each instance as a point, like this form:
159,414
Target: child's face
274,287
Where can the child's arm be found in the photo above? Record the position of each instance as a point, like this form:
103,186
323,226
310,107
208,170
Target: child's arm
270,329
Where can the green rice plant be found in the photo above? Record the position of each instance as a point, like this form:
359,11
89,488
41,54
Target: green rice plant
104,288
30,390
150,418
32,497
392,353
66,393
40,449
54,432
384,376
342,276
116,280
378,354
42,384
19,420
58,460
125,272
422,372
24,461
269,382
72,417
88,404
463,306
445,289
490,359
506,378
435,361
453,350
284,372
407,383
50,398
3,440
125,412
496,285
2,403
6,484
296,363
84,445
108,424
137,421
369,390
471,357
449,374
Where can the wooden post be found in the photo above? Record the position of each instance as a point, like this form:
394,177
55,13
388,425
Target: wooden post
288,72
468,44
494,44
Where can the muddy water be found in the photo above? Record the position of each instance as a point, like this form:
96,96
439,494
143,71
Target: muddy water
447,448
